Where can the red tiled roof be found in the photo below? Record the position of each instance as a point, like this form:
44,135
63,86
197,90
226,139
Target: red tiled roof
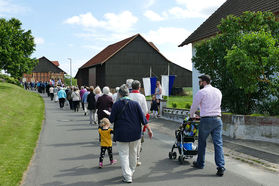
234,7
56,63
108,52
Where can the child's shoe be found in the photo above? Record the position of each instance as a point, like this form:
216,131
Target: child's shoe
100,165
113,162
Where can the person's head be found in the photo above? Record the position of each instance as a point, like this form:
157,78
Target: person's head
116,89
81,87
97,90
158,84
135,85
129,83
91,89
75,89
153,97
106,90
123,91
87,89
105,123
204,80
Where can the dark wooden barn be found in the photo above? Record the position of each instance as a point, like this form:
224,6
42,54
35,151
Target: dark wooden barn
130,58
44,71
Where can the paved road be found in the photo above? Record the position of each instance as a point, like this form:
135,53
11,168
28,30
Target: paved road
68,152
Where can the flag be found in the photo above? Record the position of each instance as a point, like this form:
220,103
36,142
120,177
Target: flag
149,85
167,83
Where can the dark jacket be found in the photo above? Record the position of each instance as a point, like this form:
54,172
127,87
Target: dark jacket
104,102
69,95
127,123
91,101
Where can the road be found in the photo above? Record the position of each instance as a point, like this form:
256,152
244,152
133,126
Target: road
68,153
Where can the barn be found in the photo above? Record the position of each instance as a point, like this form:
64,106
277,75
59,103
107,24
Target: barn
44,71
131,58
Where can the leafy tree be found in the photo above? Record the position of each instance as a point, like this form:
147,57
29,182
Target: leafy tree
67,80
16,47
243,60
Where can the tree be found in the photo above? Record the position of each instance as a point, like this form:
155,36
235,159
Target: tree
243,60
16,47
67,80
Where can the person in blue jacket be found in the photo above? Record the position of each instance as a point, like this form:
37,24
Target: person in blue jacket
128,118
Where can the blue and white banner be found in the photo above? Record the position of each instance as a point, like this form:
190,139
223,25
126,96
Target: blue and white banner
167,83
149,85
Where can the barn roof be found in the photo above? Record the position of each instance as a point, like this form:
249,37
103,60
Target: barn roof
56,63
111,50
45,65
234,7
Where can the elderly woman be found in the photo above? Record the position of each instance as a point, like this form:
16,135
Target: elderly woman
128,118
104,102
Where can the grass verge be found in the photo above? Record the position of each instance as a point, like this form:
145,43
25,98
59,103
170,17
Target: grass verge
21,116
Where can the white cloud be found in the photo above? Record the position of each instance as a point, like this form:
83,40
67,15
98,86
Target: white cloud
167,40
197,8
167,35
153,16
122,22
7,7
39,40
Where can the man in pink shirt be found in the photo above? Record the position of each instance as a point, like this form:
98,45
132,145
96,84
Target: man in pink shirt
208,99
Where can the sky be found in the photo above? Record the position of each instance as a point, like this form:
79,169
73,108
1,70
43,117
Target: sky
80,29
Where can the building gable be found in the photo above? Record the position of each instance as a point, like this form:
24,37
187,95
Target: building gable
46,65
230,7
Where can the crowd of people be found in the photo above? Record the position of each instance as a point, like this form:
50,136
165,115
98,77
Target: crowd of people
127,111
125,108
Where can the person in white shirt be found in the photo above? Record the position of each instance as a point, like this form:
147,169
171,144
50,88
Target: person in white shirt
135,95
209,98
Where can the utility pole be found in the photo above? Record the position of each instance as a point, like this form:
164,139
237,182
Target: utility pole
70,69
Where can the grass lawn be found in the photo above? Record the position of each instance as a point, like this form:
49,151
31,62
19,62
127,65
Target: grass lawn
180,102
21,115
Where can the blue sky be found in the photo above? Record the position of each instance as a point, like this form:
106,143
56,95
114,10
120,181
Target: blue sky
80,29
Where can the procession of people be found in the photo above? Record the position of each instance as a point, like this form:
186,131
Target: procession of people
122,117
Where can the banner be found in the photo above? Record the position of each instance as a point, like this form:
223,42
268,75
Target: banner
146,86
167,83
149,85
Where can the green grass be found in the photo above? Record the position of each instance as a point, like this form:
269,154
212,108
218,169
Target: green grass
21,115
180,102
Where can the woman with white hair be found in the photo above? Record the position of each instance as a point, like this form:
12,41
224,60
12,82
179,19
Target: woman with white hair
114,96
104,103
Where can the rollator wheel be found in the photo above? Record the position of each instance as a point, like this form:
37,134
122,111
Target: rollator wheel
174,155
170,155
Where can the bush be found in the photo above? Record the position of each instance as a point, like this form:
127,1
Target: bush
269,108
9,79
188,105
174,105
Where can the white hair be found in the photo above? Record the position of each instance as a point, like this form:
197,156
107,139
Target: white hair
106,90
129,83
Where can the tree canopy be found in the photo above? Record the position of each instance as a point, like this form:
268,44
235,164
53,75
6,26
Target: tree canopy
16,47
243,61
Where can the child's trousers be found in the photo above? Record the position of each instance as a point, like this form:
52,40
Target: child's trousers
103,151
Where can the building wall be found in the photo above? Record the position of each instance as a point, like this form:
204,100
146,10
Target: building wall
83,77
134,61
101,75
92,76
43,76
195,74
